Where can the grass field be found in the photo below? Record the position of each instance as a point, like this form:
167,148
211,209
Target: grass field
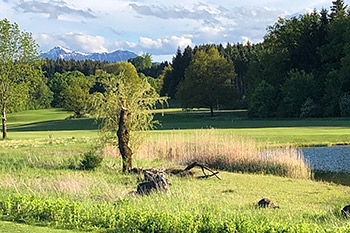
39,186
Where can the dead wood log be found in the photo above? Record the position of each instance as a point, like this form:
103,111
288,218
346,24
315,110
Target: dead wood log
203,167
180,172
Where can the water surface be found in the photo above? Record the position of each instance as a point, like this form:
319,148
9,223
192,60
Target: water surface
335,158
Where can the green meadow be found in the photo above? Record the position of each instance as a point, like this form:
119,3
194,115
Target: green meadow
41,188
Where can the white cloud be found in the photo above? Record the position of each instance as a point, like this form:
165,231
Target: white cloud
245,39
148,43
160,46
52,8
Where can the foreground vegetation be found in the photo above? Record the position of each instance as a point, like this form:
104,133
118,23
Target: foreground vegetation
40,183
43,188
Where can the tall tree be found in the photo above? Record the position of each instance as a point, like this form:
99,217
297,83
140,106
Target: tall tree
76,94
179,64
125,108
338,8
207,81
18,65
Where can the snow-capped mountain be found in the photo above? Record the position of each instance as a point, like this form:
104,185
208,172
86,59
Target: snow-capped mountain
67,54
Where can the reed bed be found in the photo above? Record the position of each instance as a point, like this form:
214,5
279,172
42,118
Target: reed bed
226,152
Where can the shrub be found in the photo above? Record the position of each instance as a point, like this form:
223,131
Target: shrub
295,91
263,101
90,161
345,105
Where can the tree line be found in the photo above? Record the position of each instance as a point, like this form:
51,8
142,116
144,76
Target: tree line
301,69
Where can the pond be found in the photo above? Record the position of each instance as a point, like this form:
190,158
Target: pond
333,159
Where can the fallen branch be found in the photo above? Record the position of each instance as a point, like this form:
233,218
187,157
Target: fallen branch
203,167
207,176
181,172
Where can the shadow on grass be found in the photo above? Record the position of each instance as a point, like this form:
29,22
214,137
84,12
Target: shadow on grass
342,178
56,125
223,119
238,119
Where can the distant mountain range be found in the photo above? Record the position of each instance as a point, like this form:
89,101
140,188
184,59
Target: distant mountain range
67,54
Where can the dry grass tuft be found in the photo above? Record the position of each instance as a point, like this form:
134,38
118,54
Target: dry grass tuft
226,152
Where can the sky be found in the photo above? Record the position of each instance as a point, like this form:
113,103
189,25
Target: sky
157,27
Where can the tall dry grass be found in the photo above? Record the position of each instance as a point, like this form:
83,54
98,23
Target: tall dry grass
226,152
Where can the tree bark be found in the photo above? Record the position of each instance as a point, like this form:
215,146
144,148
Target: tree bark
3,120
123,140
211,111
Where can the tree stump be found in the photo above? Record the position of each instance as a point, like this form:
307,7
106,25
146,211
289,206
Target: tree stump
154,181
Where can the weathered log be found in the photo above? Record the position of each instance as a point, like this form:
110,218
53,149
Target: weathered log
180,172
203,167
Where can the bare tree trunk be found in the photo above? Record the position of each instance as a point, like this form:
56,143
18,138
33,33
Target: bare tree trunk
3,119
123,140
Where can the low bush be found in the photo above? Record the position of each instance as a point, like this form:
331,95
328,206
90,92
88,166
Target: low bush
90,161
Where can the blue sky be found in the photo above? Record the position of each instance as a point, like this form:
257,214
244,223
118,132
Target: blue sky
148,26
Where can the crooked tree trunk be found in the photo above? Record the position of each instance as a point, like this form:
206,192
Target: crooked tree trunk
123,140
3,121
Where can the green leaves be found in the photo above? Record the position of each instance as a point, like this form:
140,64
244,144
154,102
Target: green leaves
19,65
124,89
207,81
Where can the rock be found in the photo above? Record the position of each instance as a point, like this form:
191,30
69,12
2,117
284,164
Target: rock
345,212
265,202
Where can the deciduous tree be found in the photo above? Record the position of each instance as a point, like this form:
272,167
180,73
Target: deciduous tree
125,108
19,63
207,81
